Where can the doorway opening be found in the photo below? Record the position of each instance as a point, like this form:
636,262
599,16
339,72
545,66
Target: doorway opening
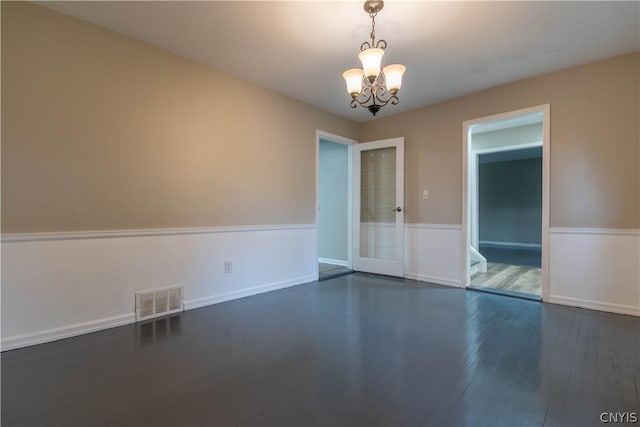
506,203
333,205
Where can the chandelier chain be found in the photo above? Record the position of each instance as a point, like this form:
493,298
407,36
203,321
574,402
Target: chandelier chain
373,28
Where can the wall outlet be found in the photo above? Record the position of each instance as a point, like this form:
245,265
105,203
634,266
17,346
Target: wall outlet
425,194
227,267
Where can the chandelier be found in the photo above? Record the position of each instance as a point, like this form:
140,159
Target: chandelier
369,87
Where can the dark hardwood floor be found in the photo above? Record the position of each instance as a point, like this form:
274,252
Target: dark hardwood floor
358,350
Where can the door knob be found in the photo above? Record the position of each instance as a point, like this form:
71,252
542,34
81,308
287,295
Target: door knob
398,209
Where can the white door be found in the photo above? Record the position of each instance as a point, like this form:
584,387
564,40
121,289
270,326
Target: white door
378,207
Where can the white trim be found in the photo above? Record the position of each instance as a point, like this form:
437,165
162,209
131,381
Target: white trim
546,166
334,138
434,226
595,305
228,296
334,262
546,191
510,244
434,279
349,143
512,147
474,194
508,114
105,234
601,231
40,337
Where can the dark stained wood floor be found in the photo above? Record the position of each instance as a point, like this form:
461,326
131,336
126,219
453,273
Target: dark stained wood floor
358,350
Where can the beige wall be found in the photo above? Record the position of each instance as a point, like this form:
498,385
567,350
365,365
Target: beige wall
100,131
594,144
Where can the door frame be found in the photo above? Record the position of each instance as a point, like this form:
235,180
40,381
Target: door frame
372,265
467,154
320,134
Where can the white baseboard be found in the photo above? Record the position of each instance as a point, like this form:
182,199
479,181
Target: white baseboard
595,305
334,261
216,299
40,337
495,244
434,279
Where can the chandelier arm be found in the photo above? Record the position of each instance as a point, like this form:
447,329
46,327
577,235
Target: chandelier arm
355,102
381,93
365,95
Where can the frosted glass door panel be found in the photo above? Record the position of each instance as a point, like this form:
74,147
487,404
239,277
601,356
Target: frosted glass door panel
378,203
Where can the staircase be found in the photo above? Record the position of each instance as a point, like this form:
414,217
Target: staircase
477,261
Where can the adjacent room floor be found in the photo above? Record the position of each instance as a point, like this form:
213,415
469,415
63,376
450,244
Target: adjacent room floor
514,278
358,350
515,270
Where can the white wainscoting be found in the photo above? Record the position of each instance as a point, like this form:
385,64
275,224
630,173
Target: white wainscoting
56,285
596,268
433,253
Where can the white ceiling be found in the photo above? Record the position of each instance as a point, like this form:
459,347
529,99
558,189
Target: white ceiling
302,48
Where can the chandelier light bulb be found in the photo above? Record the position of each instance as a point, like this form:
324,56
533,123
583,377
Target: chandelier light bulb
371,59
393,76
353,77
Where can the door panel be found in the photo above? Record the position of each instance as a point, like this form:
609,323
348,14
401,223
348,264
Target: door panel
378,192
